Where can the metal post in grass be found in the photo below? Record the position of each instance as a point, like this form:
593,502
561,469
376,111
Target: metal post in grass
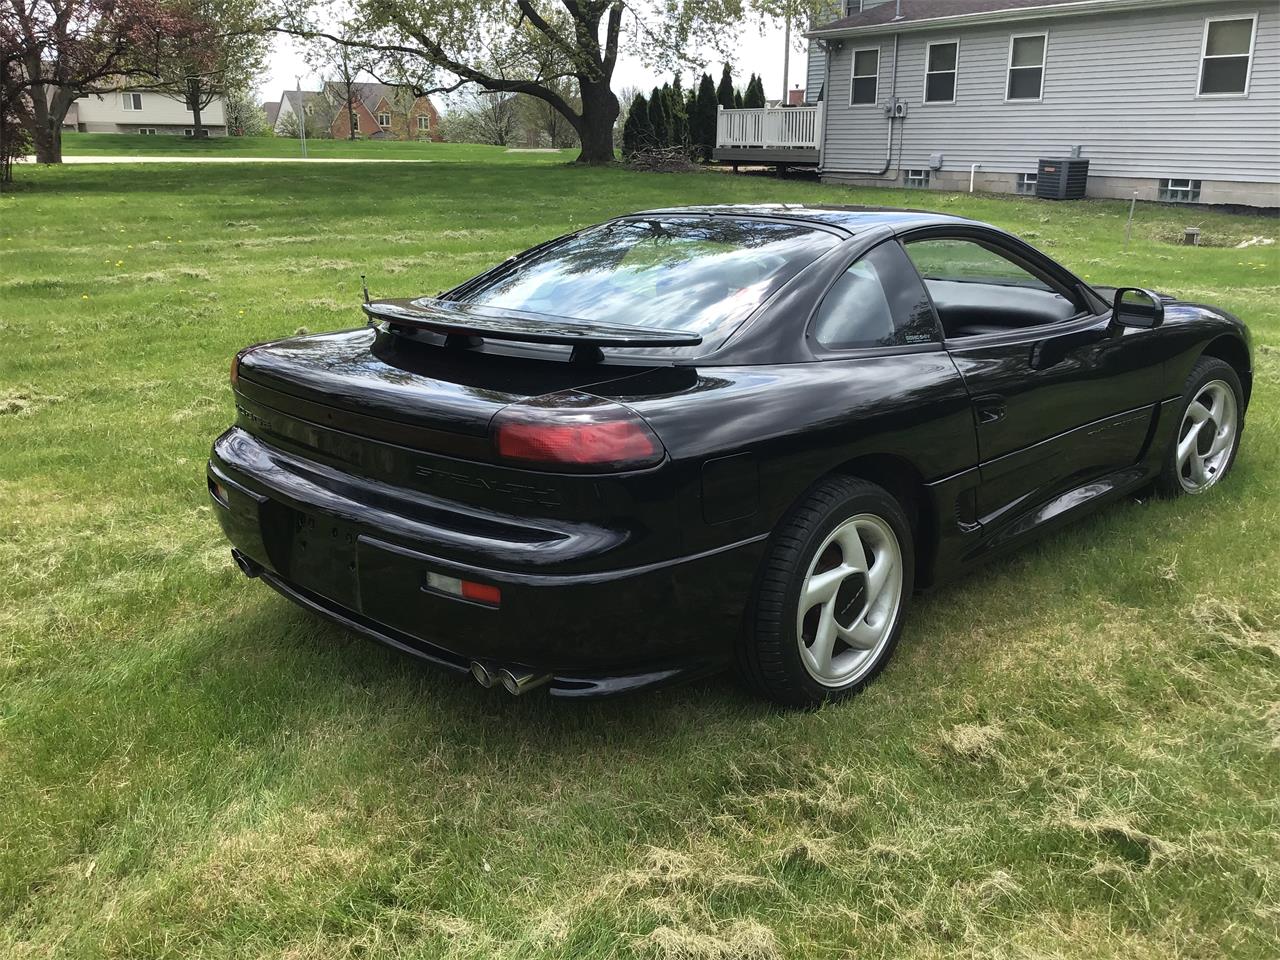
302,118
1128,228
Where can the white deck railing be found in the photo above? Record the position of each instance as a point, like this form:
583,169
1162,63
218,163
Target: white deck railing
770,127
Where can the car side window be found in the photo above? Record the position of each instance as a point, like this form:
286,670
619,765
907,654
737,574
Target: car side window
978,290
877,302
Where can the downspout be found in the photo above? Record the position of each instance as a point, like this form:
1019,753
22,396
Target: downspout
973,174
893,96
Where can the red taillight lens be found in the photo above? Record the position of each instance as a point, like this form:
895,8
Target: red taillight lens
572,431
481,592
235,370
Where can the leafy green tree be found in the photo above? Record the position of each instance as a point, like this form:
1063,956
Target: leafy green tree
677,116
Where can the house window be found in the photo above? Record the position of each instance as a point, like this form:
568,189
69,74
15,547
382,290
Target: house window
1180,191
131,101
1226,59
1027,184
424,123
147,131
916,178
188,132
384,119
866,76
940,72
1026,67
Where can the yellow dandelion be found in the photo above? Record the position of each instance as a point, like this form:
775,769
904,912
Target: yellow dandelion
84,296
241,312
119,263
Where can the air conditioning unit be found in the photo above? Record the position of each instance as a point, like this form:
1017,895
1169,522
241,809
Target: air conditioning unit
1062,178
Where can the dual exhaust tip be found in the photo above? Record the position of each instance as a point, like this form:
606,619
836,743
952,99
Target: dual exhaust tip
515,682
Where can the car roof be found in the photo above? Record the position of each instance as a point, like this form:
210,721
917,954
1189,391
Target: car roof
852,219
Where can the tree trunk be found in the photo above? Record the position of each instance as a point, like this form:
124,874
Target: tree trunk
44,121
197,125
595,128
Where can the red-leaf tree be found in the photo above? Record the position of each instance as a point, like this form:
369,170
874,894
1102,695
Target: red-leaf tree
66,49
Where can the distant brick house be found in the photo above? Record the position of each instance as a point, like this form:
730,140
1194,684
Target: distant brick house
380,111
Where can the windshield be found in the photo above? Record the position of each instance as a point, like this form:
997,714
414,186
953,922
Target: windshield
702,274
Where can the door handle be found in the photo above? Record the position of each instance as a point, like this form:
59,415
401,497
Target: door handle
989,409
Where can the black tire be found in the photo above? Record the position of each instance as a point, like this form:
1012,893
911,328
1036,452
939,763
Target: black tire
769,654
1205,371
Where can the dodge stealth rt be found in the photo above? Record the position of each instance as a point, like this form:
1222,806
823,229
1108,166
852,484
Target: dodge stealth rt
700,437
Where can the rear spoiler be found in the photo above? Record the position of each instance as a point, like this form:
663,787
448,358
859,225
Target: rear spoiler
466,325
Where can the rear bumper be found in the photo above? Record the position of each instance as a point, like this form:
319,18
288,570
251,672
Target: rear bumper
596,632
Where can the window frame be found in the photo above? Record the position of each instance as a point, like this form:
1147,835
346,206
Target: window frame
1204,55
147,131
380,123
128,99
424,122
954,71
854,77
1022,181
1009,67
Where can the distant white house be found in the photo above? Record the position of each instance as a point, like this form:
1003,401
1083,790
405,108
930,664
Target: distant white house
145,112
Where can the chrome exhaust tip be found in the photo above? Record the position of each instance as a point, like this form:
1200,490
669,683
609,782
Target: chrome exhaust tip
482,674
250,568
517,683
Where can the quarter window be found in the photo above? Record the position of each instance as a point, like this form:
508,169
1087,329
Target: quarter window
1026,67
1227,57
866,76
877,302
940,72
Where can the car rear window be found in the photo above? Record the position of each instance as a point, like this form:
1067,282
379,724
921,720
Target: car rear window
702,274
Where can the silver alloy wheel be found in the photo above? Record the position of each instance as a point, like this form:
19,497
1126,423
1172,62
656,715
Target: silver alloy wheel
850,601
1207,437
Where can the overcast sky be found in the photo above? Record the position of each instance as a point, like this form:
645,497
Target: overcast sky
761,53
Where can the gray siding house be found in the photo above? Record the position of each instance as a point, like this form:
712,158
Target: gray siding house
1170,99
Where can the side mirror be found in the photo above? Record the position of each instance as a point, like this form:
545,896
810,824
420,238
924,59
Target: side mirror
1135,307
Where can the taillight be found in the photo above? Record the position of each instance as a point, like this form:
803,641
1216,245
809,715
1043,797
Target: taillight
235,370
575,432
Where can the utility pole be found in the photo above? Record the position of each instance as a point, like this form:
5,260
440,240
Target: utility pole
302,118
786,64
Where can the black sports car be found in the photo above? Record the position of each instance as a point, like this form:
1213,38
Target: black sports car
693,437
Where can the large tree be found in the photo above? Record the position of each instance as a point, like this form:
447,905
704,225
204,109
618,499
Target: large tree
500,46
223,48
67,49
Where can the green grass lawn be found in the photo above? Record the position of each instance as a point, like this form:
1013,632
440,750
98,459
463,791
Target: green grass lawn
133,145
1076,753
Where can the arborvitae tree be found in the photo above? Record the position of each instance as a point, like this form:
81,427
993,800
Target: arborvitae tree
677,118
637,133
724,92
754,97
737,99
702,122
658,120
